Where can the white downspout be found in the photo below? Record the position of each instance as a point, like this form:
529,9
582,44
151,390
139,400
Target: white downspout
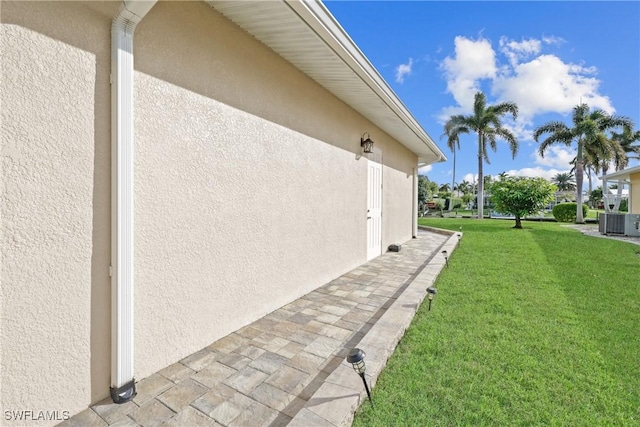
130,14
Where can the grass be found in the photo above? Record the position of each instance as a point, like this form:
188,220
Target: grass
532,327
591,213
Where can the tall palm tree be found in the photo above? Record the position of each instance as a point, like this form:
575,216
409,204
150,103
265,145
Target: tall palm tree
453,142
626,141
627,150
588,131
486,122
564,181
465,186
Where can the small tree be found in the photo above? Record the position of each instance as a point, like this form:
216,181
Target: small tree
520,196
425,190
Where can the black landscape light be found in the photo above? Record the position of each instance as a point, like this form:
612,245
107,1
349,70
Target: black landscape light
431,292
356,358
446,258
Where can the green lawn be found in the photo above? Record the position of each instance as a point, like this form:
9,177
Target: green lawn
532,327
591,213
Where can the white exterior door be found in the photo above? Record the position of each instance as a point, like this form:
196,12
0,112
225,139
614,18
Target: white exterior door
374,210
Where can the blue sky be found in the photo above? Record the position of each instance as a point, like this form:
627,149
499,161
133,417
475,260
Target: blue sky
546,56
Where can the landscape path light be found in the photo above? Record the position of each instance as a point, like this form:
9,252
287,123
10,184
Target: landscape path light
356,358
431,292
446,258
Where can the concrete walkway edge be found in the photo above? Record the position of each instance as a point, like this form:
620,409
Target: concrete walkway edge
337,400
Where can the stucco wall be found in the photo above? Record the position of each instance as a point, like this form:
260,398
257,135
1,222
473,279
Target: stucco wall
236,213
247,195
397,194
634,196
55,193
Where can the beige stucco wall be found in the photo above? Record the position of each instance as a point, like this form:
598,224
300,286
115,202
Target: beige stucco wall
247,195
55,202
634,194
397,194
238,214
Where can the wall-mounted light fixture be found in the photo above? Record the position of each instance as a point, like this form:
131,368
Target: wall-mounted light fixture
446,258
356,358
366,143
431,292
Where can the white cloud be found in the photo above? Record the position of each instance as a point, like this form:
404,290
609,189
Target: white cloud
534,172
557,157
403,70
538,83
553,40
517,51
547,84
470,177
425,170
474,60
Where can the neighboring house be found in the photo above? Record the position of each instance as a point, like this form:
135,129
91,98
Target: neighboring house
629,177
245,188
619,223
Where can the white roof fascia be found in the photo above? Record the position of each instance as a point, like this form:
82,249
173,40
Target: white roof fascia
314,16
621,175
344,46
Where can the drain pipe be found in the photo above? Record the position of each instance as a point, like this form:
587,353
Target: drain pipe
130,14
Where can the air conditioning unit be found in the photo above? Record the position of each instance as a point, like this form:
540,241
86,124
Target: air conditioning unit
632,225
614,223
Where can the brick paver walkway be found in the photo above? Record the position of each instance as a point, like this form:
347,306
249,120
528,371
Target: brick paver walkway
276,371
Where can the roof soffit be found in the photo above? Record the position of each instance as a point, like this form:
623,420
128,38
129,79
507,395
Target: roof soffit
305,34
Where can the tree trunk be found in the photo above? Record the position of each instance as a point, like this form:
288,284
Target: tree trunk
453,180
579,180
480,195
518,222
589,170
605,190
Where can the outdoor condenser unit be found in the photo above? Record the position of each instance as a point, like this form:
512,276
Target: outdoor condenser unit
614,223
631,225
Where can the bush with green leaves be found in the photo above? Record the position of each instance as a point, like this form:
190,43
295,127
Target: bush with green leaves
624,206
566,212
457,203
521,196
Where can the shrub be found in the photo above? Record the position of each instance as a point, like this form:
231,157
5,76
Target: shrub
566,212
624,206
457,203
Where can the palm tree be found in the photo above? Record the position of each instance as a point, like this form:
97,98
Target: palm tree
564,181
627,150
453,142
465,186
486,123
597,157
587,131
626,140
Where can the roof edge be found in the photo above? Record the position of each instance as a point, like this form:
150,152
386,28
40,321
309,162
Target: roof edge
316,15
